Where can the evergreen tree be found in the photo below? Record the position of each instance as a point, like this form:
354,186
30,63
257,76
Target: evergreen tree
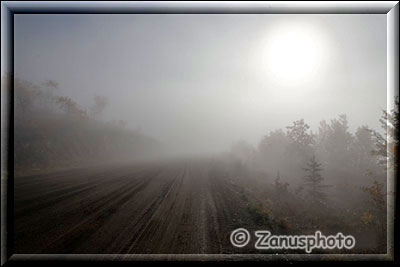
313,181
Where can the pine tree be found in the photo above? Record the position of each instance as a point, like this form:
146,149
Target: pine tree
313,180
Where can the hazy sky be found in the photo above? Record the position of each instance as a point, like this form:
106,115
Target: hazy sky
201,82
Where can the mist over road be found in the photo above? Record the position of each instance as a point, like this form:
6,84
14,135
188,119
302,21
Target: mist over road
180,206
293,134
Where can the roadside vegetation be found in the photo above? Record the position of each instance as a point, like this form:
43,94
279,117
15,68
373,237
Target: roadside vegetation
298,182
294,182
53,132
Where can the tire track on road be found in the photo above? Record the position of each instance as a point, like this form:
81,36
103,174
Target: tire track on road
29,206
131,231
148,231
81,231
53,222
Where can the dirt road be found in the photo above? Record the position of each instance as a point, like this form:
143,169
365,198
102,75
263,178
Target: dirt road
174,207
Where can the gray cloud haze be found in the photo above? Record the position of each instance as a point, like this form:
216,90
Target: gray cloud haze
201,82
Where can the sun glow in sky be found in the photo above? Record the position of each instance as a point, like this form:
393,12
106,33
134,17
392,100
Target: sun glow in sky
294,54
200,82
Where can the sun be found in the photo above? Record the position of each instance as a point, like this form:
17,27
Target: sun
293,55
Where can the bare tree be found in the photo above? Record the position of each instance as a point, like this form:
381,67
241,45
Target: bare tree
298,133
70,107
387,148
99,105
302,142
281,188
49,97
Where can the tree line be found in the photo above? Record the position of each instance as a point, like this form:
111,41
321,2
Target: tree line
330,162
54,130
